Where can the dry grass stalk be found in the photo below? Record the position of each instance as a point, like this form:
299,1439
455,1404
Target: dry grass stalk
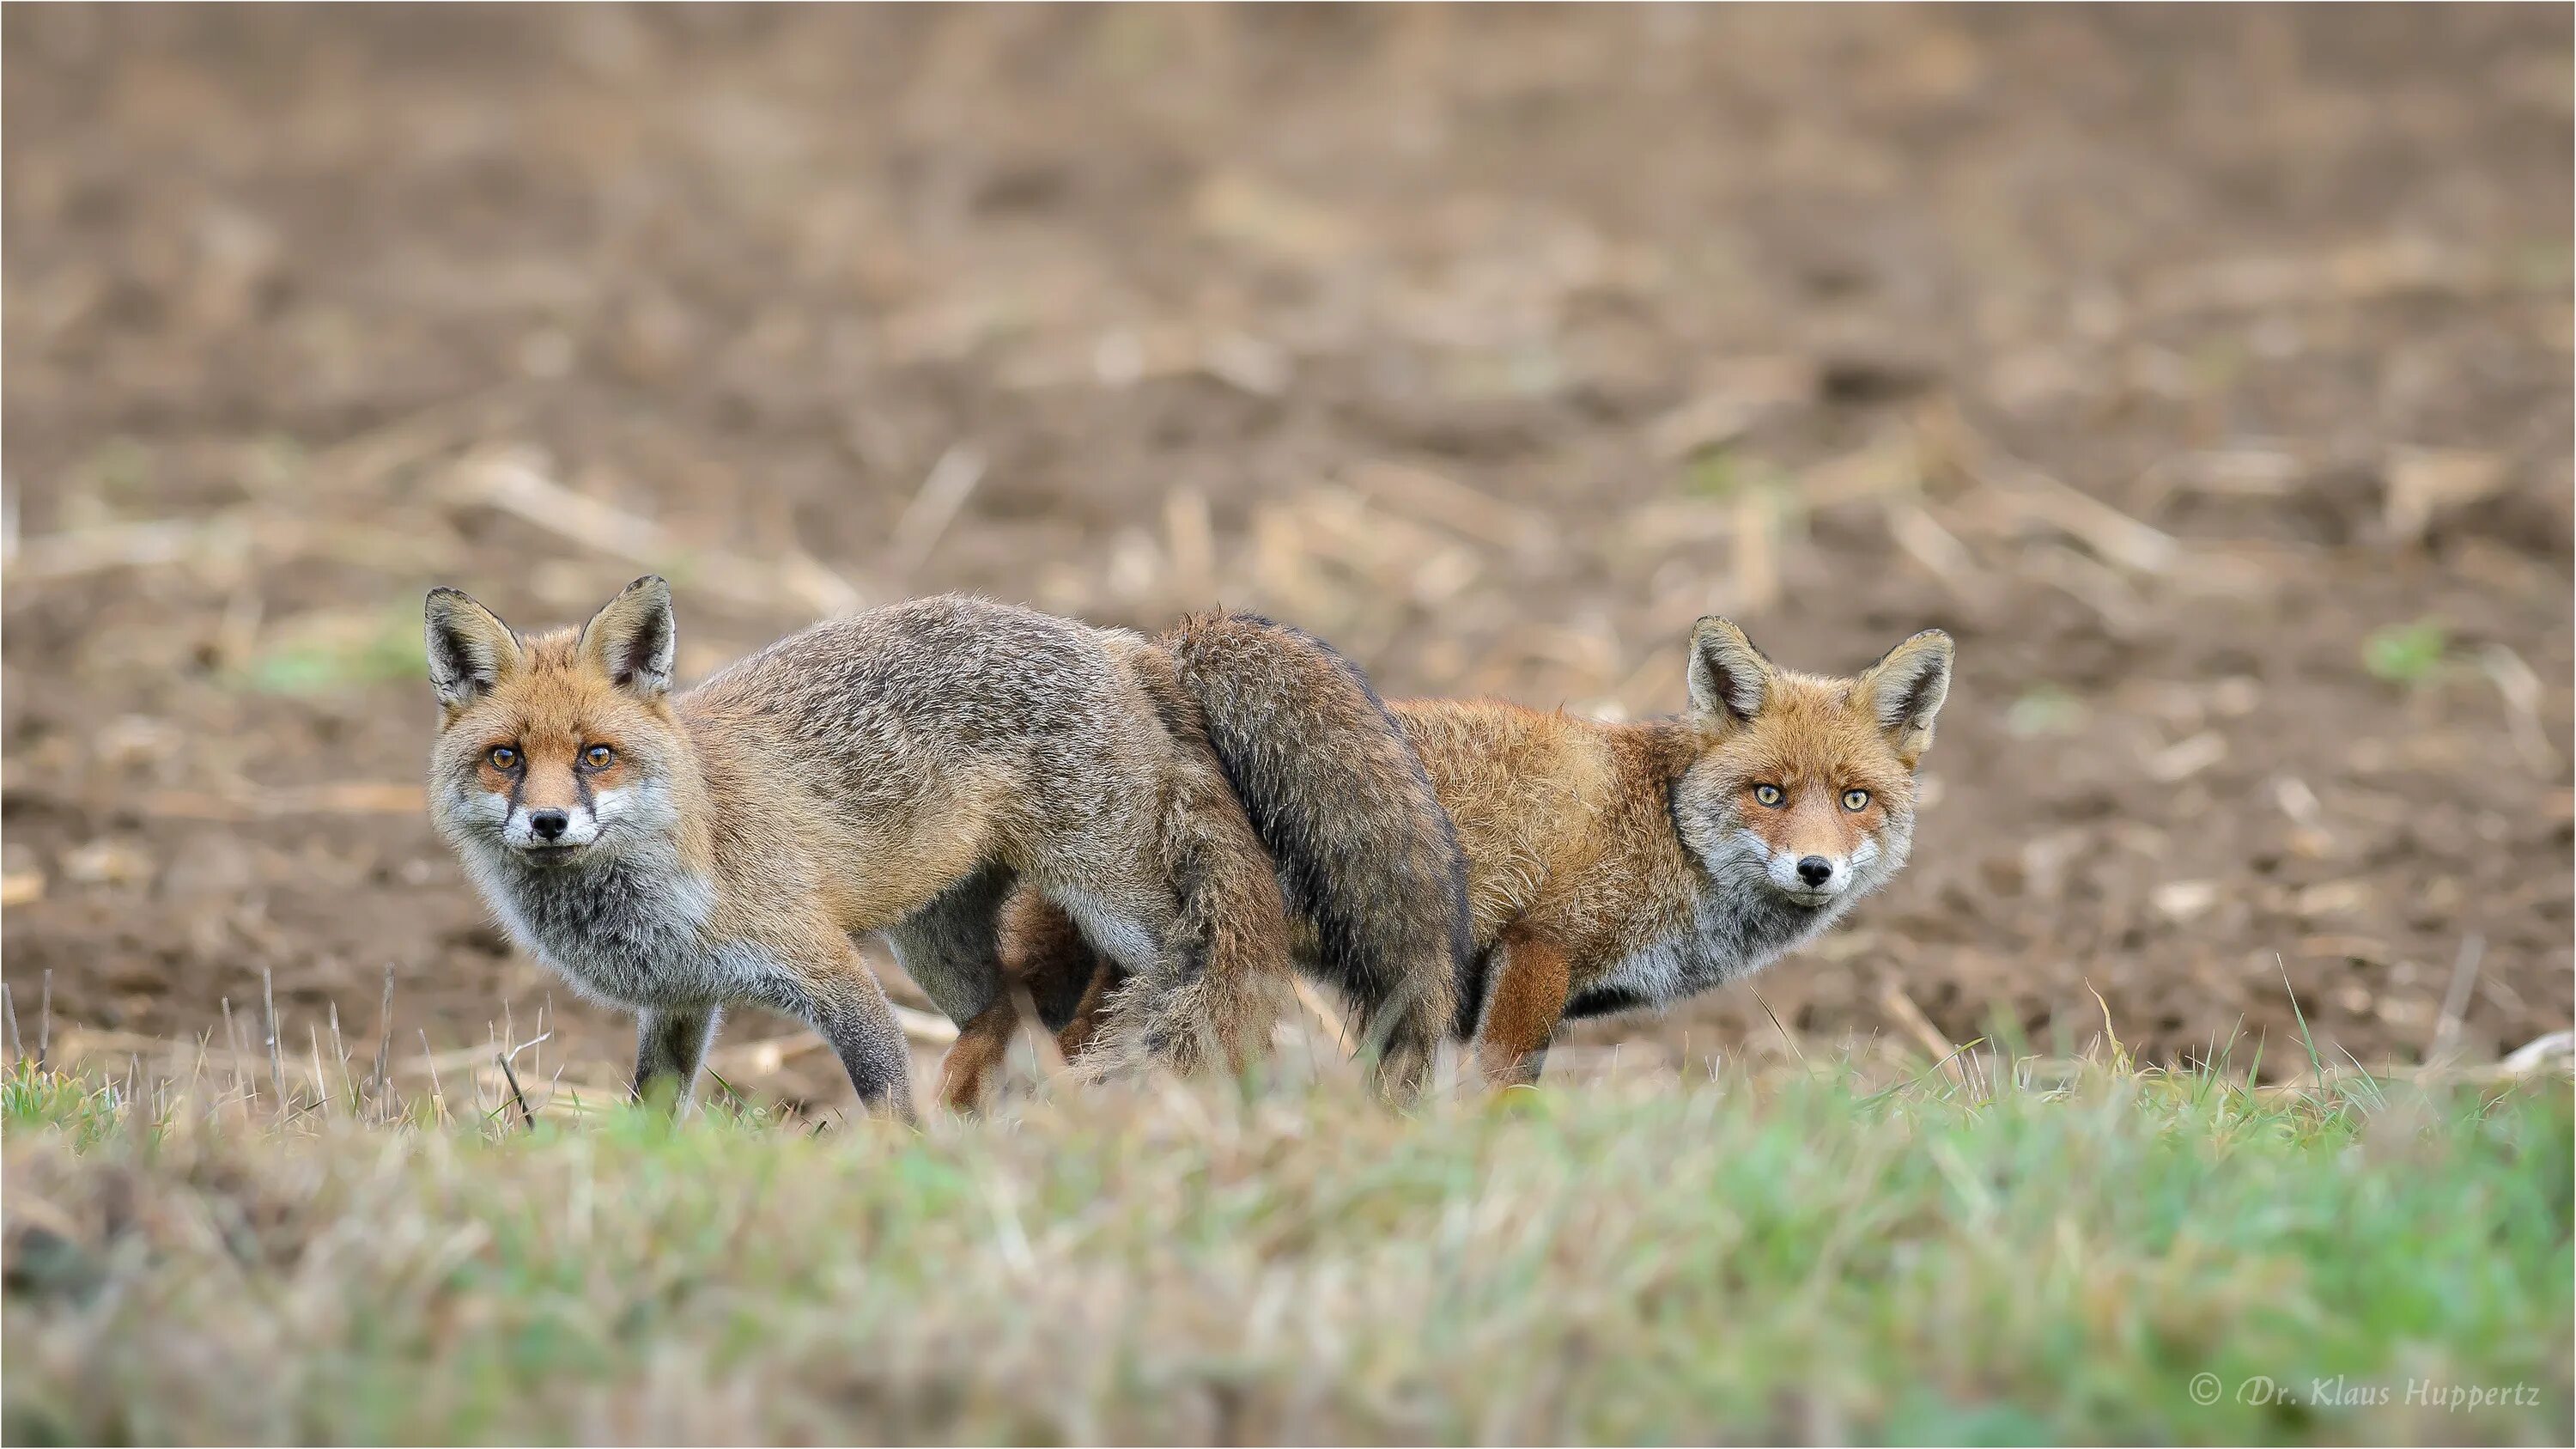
1190,535
437,1092
245,802
1937,549
1919,1026
2017,488
340,1054
2455,1001
268,1013
527,1118
942,494
512,482
377,1081
2523,694
2091,583
1324,1013
1754,584
1429,497
53,557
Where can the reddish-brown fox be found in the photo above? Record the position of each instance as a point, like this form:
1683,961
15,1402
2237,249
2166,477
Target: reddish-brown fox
1618,866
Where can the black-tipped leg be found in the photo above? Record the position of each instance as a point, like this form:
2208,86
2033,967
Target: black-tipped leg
669,1046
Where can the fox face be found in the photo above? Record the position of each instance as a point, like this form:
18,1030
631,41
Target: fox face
559,748
1804,786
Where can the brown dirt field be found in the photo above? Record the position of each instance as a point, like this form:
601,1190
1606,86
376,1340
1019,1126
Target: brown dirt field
2168,358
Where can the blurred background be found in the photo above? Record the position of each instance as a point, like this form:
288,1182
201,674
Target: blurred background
2206,372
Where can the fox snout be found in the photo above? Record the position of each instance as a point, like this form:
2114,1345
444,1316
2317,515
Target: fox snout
1815,876
550,827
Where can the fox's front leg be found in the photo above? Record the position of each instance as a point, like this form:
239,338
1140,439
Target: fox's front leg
846,1005
1522,1009
669,1047
859,1022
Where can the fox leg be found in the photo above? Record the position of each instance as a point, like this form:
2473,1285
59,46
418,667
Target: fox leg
951,948
1400,1034
1042,951
823,981
1521,1010
669,1046
1075,1035
1068,982
852,1013
982,1041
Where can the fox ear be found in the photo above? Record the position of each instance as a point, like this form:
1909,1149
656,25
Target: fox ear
634,639
1728,676
469,647
1904,690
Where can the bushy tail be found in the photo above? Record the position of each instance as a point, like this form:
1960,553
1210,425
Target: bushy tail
1366,855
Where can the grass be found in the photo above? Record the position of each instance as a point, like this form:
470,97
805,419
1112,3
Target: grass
2406,654
1797,1258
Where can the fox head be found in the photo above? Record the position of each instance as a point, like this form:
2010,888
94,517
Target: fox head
1803,786
559,747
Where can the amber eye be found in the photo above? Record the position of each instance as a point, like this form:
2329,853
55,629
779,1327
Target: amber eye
1768,794
1855,799
503,758
598,757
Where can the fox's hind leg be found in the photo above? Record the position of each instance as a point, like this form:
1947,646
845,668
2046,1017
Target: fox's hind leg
1075,1036
1067,981
1400,1035
981,1044
951,948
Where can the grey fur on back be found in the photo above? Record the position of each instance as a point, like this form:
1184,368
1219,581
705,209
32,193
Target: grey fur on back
1003,683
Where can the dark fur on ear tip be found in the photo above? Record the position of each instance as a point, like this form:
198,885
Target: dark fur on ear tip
1729,676
633,639
469,647
1917,637
1729,625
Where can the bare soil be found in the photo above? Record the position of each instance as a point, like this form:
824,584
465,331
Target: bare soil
2206,372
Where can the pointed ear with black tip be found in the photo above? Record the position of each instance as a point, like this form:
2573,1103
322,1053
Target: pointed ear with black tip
634,640
1904,690
470,649
1728,676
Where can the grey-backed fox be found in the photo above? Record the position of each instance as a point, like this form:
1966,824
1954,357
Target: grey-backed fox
896,772
1612,866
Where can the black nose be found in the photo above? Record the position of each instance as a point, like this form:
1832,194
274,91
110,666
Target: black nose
1815,870
549,824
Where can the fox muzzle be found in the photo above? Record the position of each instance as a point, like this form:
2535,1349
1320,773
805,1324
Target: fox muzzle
550,828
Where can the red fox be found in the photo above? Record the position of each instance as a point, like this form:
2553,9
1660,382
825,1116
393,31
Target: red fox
896,772
1614,866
